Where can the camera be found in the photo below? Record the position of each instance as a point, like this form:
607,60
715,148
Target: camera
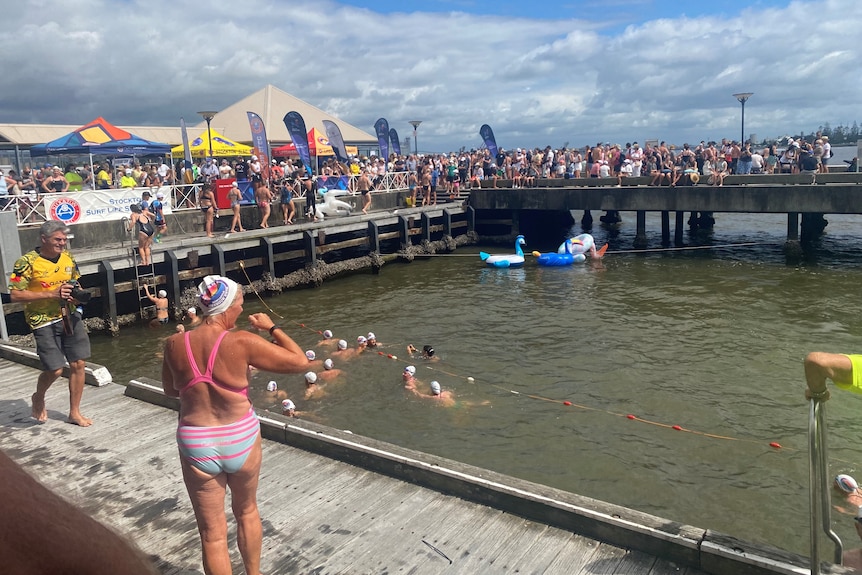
80,294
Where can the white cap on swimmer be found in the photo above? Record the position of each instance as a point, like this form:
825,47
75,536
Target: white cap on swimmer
271,386
162,293
311,377
328,364
192,311
361,339
217,294
846,483
435,387
287,405
410,369
310,355
327,333
342,344
371,335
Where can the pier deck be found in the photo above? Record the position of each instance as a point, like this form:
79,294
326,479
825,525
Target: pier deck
323,515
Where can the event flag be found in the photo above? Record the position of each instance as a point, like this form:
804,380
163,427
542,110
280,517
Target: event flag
336,141
259,143
393,140
187,151
296,128
487,135
381,126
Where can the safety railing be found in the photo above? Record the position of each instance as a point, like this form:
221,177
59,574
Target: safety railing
31,209
819,485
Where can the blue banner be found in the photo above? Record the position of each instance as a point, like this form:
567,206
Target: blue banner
333,134
299,136
381,126
259,143
488,136
393,141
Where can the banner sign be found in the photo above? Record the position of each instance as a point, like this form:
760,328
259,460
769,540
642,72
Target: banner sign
487,135
336,140
259,143
98,205
393,141
381,126
299,138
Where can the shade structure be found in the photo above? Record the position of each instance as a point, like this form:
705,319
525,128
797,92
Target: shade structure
318,145
100,137
222,147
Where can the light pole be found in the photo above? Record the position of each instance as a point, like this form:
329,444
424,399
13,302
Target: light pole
415,124
208,116
742,97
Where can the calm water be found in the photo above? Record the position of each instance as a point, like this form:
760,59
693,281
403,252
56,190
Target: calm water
710,340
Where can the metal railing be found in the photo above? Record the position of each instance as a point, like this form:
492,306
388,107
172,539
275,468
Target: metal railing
30,208
819,485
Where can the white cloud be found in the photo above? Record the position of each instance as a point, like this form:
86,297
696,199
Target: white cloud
536,82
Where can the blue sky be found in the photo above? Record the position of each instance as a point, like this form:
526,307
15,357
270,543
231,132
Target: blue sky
538,73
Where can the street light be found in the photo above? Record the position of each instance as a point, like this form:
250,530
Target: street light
208,116
742,97
415,124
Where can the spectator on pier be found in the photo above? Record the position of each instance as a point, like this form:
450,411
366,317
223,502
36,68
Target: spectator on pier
719,172
263,196
758,162
827,153
288,208
127,180
141,220
206,203
55,181
218,434
157,207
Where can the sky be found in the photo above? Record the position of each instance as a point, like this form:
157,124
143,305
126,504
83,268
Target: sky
539,73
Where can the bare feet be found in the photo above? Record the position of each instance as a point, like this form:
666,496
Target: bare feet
38,412
79,420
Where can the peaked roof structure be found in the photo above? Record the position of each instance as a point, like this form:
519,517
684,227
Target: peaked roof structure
271,104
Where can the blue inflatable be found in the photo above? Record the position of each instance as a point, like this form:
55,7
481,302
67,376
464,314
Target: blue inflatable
506,261
571,251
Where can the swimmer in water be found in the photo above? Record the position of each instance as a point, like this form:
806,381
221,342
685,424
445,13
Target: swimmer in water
409,378
428,353
371,340
328,340
438,394
329,372
343,352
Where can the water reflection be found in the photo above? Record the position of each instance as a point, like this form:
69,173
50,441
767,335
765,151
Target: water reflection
710,341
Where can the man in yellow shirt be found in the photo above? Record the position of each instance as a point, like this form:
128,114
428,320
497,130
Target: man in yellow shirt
45,281
103,178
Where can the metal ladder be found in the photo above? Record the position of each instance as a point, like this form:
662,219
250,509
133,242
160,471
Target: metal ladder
819,485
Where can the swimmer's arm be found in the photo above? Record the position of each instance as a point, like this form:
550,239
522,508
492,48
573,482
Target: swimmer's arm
41,532
167,374
284,357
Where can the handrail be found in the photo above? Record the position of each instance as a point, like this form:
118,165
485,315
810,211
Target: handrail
819,485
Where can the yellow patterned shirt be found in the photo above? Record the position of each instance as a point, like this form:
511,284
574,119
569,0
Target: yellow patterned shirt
35,273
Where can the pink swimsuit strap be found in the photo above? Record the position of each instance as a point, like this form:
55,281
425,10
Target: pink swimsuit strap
207,376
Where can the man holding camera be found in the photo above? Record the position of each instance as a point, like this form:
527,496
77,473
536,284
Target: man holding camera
45,280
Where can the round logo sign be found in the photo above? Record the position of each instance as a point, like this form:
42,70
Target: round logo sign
66,210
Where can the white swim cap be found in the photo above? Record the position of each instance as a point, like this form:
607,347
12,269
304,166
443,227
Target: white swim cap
162,293
192,310
342,344
271,386
311,377
846,483
327,333
310,355
410,369
287,405
328,364
361,339
435,387
370,335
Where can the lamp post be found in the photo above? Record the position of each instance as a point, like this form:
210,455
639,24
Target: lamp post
208,116
415,124
742,97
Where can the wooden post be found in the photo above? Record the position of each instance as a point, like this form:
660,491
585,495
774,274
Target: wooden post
471,219
109,297
665,228
268,255
426,227
173,280
404,230
373,237
640,235
679,222
447,223
308,240
218,264
793,226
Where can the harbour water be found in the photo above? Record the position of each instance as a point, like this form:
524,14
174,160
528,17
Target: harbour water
709,339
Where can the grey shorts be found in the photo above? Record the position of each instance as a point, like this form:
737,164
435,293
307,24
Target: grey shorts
55,347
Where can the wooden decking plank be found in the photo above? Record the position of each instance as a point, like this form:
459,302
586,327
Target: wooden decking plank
502,547
575,556
635,563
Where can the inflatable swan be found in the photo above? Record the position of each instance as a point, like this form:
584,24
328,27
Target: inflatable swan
506,261
573,250
330,206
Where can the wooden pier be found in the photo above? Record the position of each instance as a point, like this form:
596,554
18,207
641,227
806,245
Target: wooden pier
335,502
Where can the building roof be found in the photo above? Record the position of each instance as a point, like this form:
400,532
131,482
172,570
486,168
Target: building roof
270,103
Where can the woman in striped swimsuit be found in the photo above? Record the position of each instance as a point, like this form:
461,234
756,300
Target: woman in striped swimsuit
219,434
